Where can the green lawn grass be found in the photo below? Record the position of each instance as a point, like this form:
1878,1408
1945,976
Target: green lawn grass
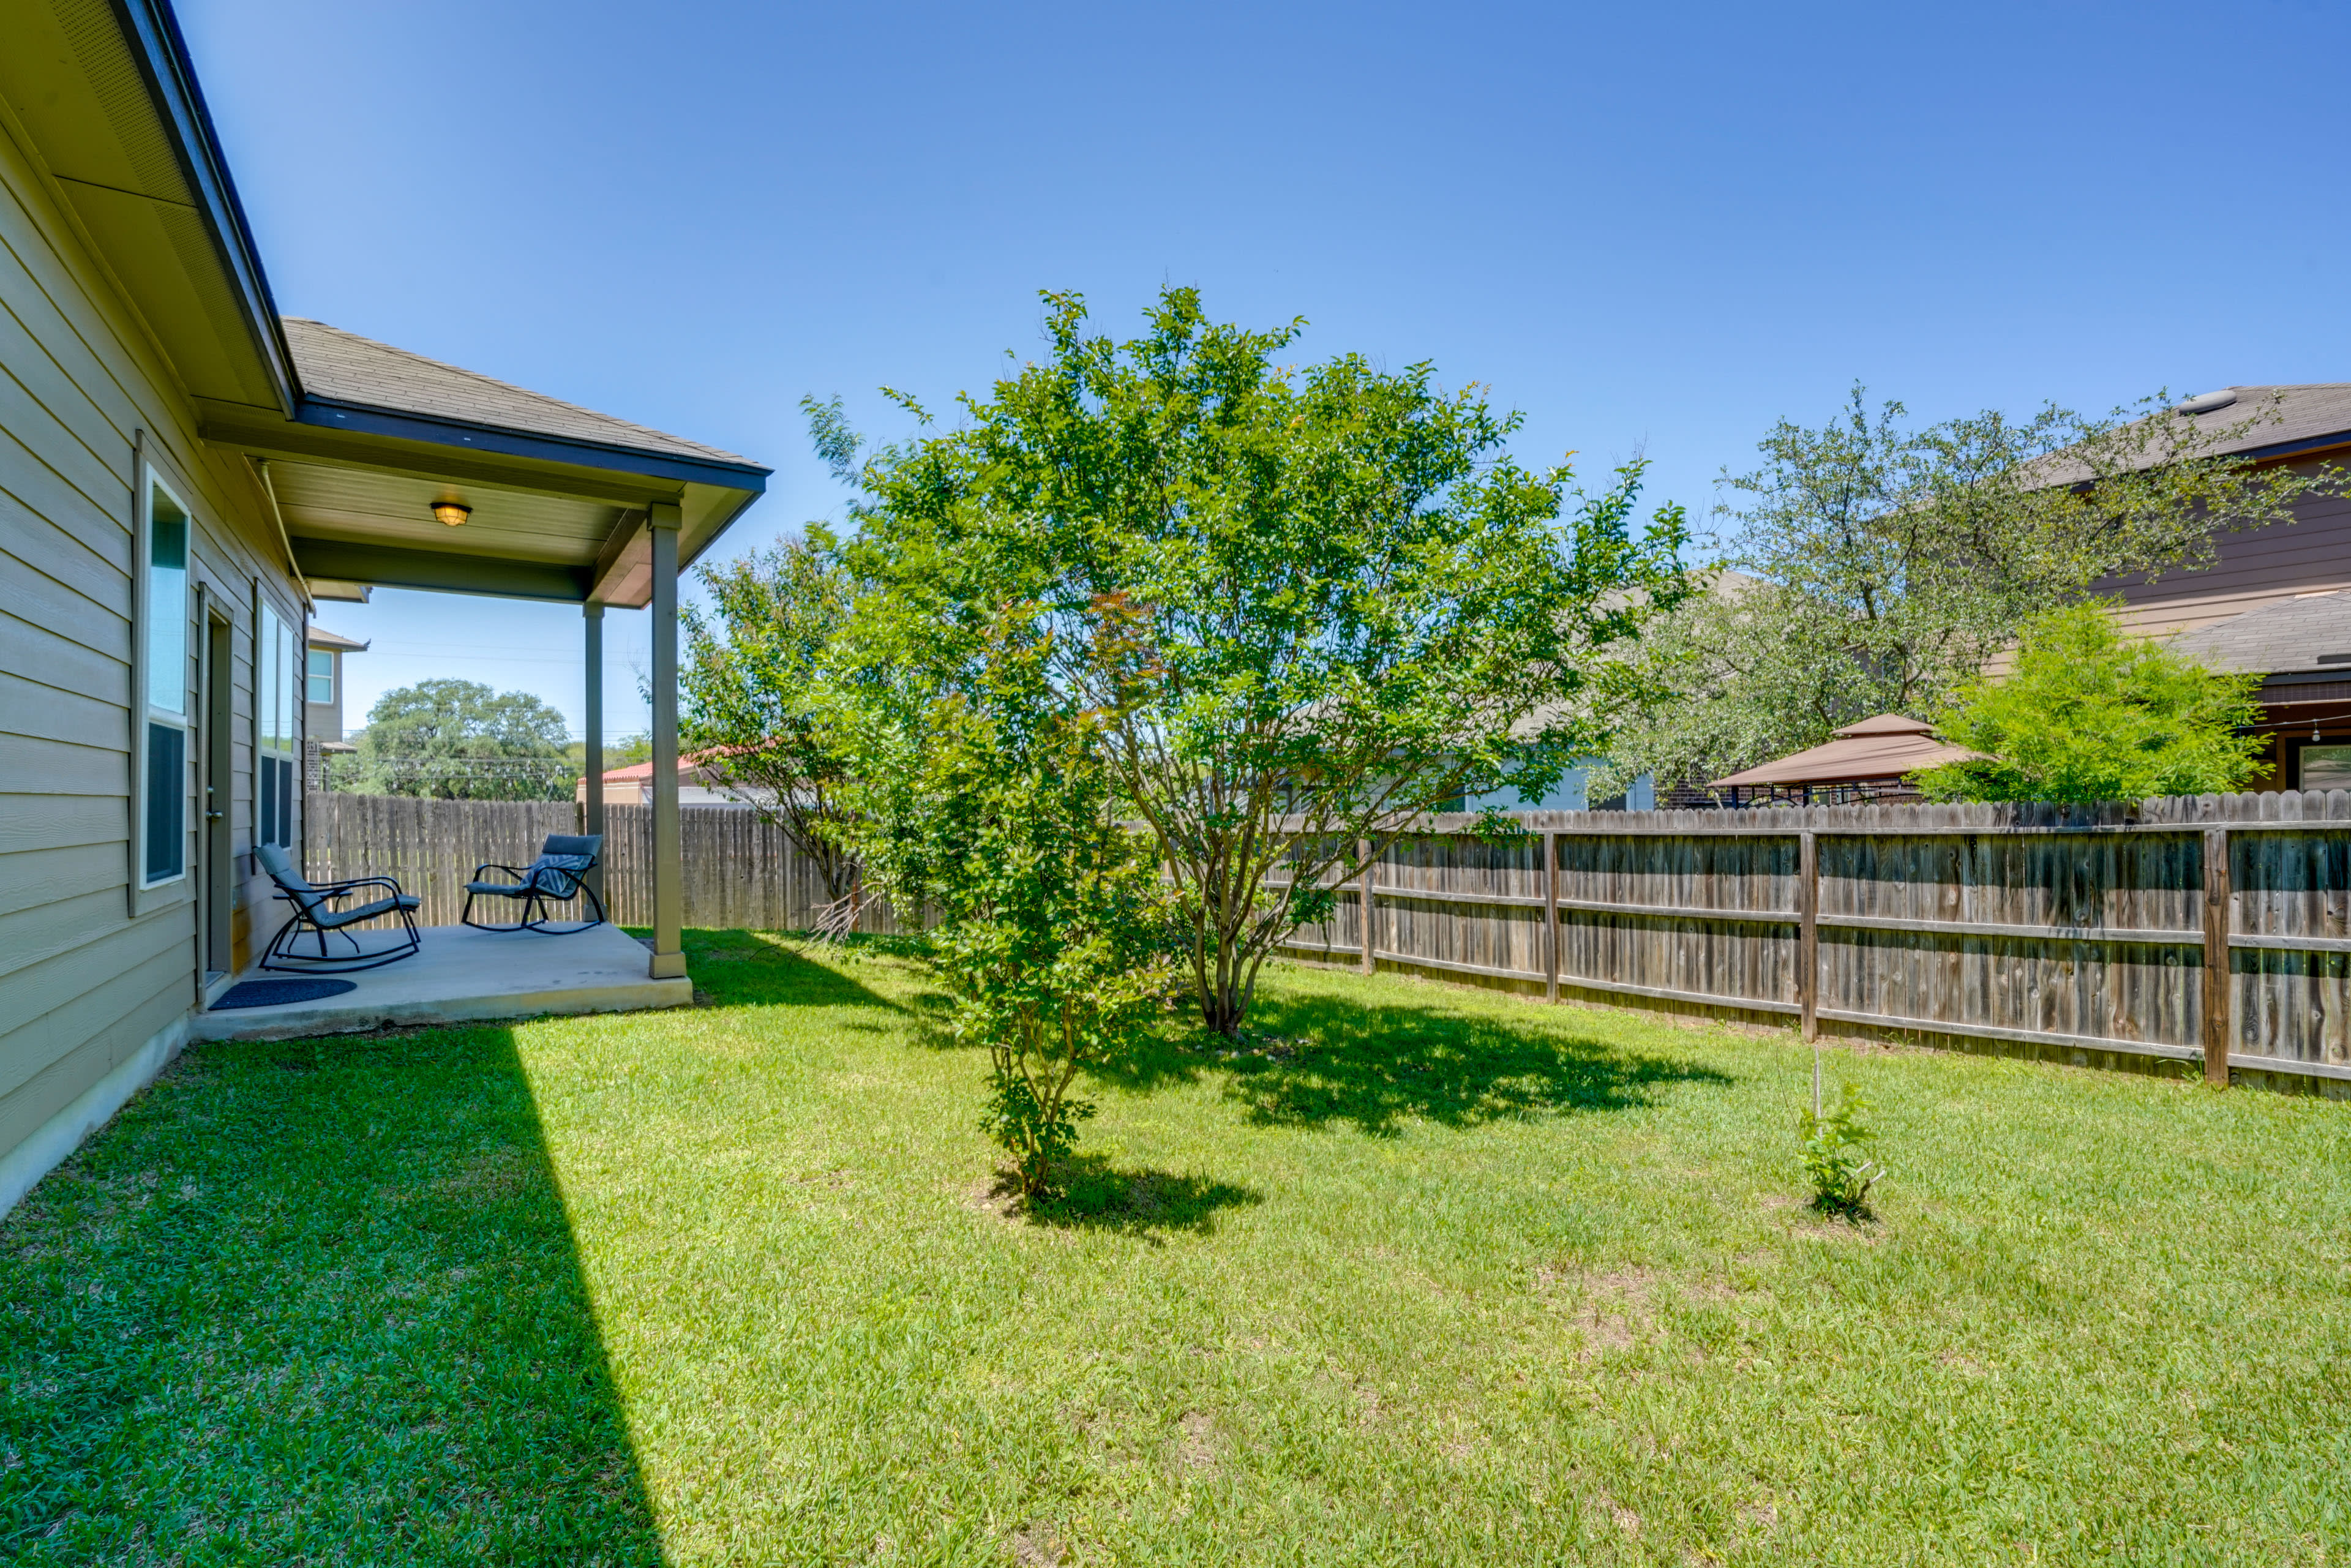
1428,1276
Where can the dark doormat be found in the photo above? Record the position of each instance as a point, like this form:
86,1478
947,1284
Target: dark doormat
277,993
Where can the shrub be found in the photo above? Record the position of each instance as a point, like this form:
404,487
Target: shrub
2091,713
1836,1156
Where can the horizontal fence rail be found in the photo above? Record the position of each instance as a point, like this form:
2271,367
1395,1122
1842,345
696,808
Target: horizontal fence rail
739,870
2215,928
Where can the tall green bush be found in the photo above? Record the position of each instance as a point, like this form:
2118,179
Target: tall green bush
2089,713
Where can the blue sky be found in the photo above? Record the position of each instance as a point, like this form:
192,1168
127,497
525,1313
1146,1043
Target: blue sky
1651,228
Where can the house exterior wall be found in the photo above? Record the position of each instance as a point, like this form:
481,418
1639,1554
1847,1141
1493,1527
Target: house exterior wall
324,721
2261,566
96,982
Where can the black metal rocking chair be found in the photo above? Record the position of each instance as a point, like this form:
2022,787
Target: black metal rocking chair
315,915
558,876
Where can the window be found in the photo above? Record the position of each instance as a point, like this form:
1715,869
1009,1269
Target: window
163,628
275,675
2326,767
321,682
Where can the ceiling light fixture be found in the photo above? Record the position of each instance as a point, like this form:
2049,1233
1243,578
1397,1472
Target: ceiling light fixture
452,513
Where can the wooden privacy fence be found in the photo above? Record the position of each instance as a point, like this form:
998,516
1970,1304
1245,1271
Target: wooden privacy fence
739,871
2216,929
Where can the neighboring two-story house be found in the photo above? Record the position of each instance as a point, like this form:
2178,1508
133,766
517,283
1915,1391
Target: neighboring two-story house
2276,602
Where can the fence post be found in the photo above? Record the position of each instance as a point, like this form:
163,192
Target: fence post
2217,923
1808,931
1364,853
1551,916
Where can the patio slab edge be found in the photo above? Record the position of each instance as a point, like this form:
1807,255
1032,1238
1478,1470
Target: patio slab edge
325,1017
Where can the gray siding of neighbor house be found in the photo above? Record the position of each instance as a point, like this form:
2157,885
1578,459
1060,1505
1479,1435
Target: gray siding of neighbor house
85,986
323,721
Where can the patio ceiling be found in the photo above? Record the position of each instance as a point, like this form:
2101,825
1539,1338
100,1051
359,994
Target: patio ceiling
559,495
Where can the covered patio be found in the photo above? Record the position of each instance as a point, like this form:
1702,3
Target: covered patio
397,471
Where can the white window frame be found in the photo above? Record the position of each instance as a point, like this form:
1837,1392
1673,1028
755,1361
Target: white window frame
148,477
329,678
279,649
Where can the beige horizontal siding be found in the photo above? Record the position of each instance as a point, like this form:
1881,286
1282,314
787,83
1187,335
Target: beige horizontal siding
83,986
100,1046
50,822
142,958
31,879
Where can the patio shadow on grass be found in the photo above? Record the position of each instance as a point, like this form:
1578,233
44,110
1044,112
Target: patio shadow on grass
311,1300
1317,1060
751,969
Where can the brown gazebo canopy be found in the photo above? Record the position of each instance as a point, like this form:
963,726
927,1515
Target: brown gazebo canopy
1867,761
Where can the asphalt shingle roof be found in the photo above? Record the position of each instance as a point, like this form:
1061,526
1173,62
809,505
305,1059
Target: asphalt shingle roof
2300,413
348,368
2291,634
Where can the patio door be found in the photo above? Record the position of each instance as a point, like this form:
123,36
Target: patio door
216,871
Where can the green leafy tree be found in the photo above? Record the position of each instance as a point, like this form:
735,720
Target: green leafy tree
2089,713
1873,567
622,751
981,794
750,680
460,740
1303,604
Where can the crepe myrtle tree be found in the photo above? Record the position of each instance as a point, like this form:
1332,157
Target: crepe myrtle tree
749,681
1304,603
980,794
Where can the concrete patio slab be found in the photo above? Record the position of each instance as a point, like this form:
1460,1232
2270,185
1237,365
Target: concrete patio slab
463,976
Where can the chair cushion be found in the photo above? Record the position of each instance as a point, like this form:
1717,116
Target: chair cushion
336,919
558,875
503,889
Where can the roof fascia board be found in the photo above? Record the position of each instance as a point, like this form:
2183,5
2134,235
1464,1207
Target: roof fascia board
2281,680
327,413
2297,448
355,450
441,571
153,34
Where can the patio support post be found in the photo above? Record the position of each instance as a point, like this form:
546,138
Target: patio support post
591,810
669,869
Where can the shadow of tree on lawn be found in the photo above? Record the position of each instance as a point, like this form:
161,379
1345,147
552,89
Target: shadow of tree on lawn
1093,1196
1317,1060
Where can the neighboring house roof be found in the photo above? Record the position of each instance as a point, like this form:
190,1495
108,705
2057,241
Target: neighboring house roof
1886,746
319,637
2278,423
347,368
642,772
2309,632
2309,416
